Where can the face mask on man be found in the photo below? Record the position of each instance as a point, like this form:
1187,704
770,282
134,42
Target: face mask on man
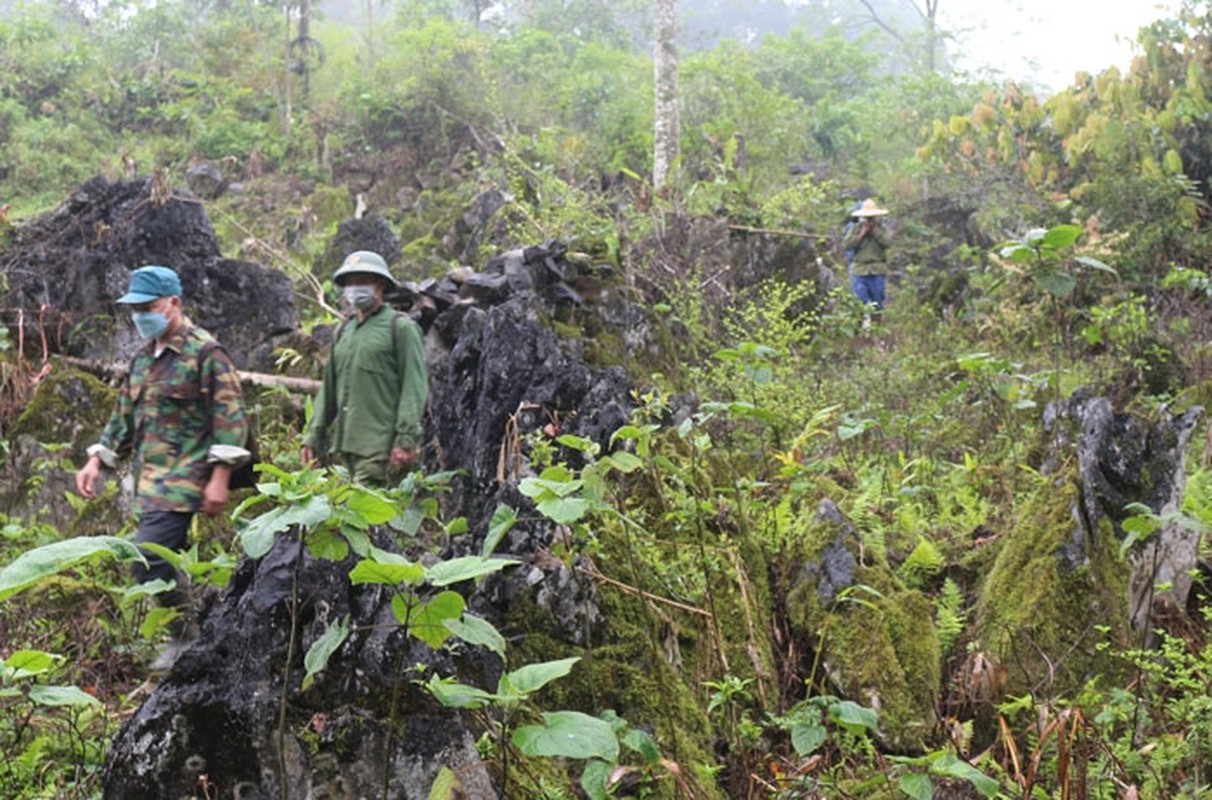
149,324
360,297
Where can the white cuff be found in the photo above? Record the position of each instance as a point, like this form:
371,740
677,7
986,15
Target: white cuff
227,454
108,457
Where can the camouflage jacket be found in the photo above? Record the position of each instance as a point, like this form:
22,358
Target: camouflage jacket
178,412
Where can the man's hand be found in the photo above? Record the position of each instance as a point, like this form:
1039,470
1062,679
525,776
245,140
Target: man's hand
401,457
307,455
86,478
215,493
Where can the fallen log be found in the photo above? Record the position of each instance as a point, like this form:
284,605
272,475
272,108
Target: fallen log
777,232
259,379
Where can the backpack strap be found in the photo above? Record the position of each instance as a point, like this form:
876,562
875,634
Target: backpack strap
396,314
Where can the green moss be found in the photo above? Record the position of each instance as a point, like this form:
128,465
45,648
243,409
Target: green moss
628,672
69,406
65,414
1038,617
330,204
876,640
418,260
1198,395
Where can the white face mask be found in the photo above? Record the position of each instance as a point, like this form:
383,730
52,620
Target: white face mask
360,297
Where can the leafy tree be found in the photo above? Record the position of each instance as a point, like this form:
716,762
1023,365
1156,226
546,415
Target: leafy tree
1115,152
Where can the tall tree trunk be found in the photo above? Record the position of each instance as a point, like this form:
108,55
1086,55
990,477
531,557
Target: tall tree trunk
668,118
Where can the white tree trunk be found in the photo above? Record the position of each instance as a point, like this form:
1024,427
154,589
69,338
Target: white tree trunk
668,118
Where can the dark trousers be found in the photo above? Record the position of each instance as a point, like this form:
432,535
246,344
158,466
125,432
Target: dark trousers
170,529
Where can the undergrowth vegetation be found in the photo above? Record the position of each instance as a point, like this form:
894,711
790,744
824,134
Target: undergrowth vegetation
775,430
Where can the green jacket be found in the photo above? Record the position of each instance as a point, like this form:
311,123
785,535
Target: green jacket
870,254
374,390
178,412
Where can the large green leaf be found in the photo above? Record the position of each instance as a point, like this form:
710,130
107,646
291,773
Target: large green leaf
563,510
26,663
1062,236
475,630
568,734
316,660
955,767
919,787
35,565
503,519
62,696
532,677
427,621
371,506
594,779
446,786
1094,263
453,694
642,743
258,537
853,717
1057,284
1018,253
326,544
624,461
371,570
464,568
806,738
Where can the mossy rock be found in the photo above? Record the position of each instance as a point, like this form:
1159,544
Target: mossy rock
627,673
876,639
47,442
331,204
1041,619
69,406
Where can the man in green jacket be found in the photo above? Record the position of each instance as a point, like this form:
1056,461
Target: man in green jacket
368,413
869,265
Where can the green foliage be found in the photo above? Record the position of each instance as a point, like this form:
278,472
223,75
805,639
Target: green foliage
1042,253
922,564
1142,521
950,617
43,722
925,430
1197,500
602,742
1168,706
426,78
38,565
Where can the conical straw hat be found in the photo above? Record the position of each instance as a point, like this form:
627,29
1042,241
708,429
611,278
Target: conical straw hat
870,209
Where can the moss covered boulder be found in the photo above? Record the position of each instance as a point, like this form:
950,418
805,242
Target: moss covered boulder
874,638
1097,552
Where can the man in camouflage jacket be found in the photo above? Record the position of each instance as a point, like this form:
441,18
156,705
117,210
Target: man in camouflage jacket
180,415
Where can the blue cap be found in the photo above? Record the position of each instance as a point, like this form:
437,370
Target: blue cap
151,283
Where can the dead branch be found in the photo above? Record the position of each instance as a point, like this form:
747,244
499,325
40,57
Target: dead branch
593,573
776,232
259,379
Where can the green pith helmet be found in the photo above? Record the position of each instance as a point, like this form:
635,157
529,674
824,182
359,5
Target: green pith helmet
366,262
